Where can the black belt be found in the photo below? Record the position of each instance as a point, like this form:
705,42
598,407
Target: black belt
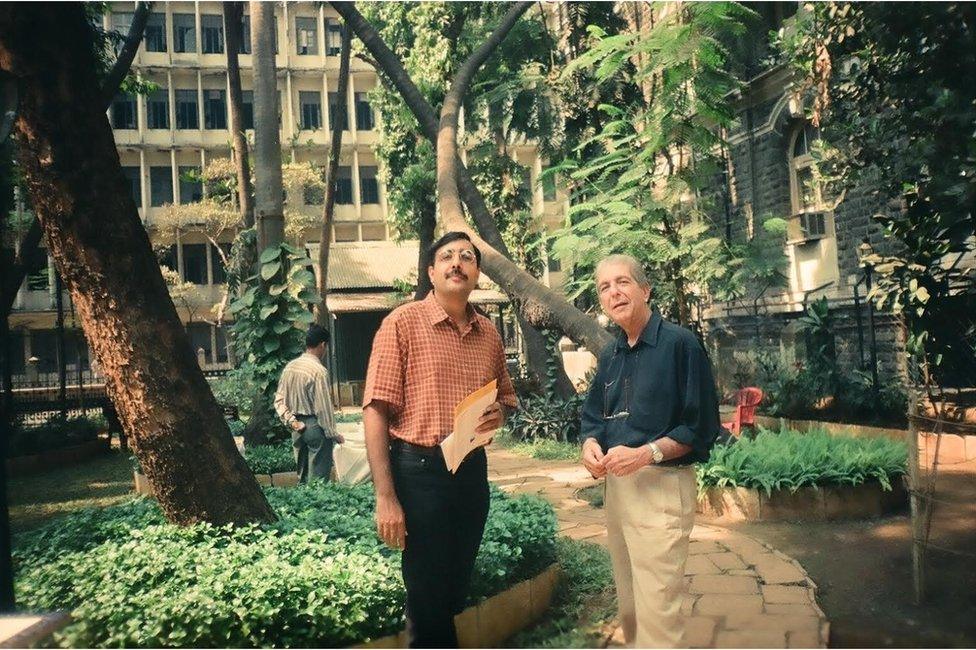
403,446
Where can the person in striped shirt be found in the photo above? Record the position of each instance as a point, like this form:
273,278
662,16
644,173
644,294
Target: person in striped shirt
303,402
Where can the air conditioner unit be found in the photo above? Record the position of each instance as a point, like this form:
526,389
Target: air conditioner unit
810,226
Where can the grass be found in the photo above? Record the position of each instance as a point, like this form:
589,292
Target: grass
39,498
582,605
539,449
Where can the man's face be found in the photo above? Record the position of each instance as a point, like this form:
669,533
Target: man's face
455,269
623,300
320,350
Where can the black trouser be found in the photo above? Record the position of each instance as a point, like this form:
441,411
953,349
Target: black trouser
445,515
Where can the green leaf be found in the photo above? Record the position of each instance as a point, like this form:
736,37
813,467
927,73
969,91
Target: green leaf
269,270
268,310
269,254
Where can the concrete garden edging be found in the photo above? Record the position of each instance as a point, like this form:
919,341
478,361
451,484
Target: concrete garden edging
280,479
63,457
494,620
816,503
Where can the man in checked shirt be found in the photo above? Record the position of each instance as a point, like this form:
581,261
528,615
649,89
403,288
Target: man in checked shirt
427,356
304,403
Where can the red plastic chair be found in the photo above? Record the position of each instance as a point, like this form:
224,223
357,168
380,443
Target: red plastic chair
746,401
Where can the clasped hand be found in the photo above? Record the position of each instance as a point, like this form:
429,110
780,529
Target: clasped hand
619,460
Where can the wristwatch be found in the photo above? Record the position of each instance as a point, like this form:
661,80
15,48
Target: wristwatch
656,454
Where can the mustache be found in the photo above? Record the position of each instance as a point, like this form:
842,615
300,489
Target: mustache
456,273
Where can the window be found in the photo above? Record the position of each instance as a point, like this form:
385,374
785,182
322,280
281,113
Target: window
195,263
123,111
369,192
155,36
38,278
186,109
121,22
199,334
344,186
334,112
808,221
306,35
333,37
364,113
220,352
160,186
214,109
184,33
191,191
157,109
167,257
212,27
346,232
132,175
219,272
247,108
374,231
311,108
245,45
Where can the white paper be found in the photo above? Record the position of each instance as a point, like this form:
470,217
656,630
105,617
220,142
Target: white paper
463,440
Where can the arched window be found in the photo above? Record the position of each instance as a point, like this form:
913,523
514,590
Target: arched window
809,210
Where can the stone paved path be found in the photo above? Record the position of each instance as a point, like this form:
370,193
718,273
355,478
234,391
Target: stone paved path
741,592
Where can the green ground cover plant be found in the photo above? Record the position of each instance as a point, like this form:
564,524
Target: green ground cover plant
318,577
791,460
540,449
270,459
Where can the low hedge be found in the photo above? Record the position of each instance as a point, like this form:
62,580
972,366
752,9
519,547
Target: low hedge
270,459
319,577
791,460
56,433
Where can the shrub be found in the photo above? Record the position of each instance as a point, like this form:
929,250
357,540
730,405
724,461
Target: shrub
542,417
791,460
236,389
270,459
55,433
318,577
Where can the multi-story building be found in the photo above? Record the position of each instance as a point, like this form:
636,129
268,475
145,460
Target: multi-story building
184,124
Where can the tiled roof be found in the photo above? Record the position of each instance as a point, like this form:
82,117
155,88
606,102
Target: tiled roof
369,265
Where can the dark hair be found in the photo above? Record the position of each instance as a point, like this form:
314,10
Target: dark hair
316,334
449,237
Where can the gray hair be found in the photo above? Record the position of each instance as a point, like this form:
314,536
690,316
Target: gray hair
636,270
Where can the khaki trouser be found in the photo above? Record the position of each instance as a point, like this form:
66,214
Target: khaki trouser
650,514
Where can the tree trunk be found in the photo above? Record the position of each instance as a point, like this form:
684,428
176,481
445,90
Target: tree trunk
536,303
268,209
233,13
267,140
331,179
104,257
29,254
425,232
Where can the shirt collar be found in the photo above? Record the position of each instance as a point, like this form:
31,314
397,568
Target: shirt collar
436,313
311,356
648,335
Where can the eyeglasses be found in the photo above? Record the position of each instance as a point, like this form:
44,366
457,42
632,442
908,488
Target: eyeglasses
466,255
627,387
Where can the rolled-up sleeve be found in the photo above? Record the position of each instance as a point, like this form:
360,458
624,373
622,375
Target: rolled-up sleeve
387,367
699,421
592,424
506,391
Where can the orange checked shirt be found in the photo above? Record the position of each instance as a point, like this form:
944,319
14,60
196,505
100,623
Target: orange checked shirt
423,365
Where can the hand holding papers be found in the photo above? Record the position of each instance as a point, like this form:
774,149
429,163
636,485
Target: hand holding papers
465,438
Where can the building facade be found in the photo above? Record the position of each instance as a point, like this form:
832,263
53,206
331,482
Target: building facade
183,125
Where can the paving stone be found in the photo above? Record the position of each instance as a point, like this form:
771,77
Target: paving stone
721,584
757,639
700,565
722,605
700,631
748,549
774,570
785,594
792,609
743,572
727,560
804,640
778,622
700,547
688,604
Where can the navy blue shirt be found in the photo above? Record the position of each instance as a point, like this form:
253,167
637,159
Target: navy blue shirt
660,387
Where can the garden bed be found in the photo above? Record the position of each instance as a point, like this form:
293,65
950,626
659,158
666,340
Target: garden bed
63,457
318,577
794,476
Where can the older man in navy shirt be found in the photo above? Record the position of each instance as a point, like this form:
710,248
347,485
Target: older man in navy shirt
651,412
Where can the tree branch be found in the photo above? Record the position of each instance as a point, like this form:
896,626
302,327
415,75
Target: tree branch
539,304
124,61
